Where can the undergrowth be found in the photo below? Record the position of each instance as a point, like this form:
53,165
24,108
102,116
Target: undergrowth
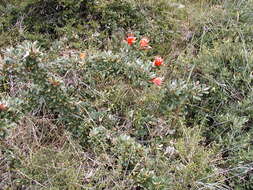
127,94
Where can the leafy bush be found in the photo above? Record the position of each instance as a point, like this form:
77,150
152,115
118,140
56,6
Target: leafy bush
88,106
88,23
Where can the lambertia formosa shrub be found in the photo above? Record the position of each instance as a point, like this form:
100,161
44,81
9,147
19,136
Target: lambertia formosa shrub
123,94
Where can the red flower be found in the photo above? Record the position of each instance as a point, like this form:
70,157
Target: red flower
157,81
130,39
144,43
82,55
158,61
3,107
54,82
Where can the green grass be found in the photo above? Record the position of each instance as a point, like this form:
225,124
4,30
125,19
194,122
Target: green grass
98,122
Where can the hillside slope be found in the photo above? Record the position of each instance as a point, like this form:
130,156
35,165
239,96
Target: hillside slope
126,94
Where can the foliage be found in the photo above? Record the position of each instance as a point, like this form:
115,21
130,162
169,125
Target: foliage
82,107
89,21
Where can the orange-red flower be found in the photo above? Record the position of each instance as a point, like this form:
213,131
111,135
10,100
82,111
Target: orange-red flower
3,107
54,82
144,43
157,81
158,61
130,39
82,55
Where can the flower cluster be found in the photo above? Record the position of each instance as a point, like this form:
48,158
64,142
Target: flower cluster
144,45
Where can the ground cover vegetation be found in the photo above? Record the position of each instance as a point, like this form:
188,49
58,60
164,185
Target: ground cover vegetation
126,94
